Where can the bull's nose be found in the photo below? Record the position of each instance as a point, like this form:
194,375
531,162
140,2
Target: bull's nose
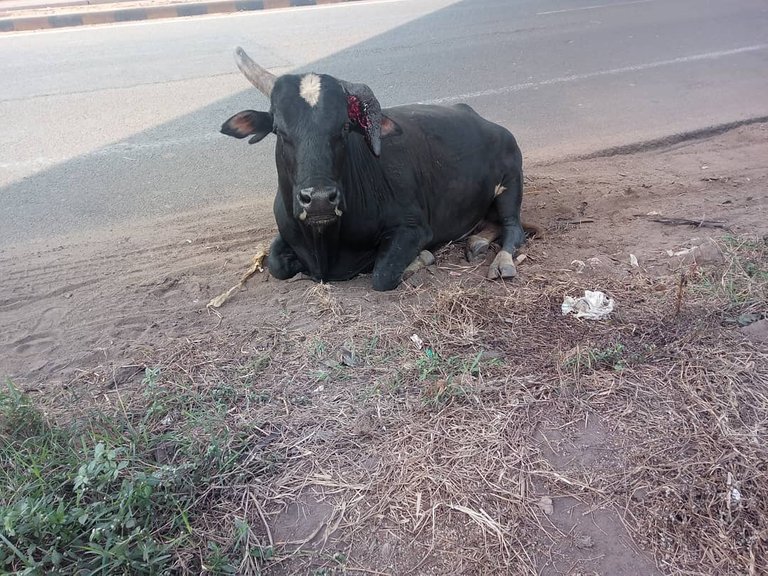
319,199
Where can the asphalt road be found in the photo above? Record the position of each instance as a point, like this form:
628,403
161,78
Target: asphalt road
101,126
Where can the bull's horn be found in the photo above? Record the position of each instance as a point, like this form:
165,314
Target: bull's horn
258,76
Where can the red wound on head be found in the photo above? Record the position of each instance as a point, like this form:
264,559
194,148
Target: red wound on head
364,113
357,112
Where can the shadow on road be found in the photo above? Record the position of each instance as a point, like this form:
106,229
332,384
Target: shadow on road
224,167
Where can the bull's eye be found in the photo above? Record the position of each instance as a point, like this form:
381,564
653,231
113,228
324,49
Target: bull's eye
340,138
337,139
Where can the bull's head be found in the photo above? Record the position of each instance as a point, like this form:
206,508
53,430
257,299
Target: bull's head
312,116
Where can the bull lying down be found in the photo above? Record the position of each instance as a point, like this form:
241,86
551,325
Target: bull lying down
362,189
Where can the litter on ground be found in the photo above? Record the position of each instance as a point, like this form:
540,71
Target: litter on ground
592,306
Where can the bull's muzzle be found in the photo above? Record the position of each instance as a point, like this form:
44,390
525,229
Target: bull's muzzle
319,206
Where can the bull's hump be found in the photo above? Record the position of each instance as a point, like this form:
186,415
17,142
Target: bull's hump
309,89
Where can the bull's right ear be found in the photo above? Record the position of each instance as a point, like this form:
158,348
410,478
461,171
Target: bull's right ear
247,123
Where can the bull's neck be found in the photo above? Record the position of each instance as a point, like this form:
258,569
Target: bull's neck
323,247
365,183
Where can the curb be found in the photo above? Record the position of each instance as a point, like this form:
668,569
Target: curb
111,16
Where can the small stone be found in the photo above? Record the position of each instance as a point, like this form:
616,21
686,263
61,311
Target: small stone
545,503
704,254
757,332
366,424
348,357
492,354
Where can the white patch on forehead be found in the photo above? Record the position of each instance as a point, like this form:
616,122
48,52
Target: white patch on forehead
310,88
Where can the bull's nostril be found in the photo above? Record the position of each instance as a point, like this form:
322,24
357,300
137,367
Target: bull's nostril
333,197
305,197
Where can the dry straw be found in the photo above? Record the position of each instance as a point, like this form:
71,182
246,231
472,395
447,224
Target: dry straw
435,460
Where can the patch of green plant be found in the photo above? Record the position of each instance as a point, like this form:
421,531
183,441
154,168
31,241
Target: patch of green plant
391,384
254,367
432,364
318,348
448,375
735,243
339,560
741,284
301,400
442,392
216,561
613,357
71,503
118,493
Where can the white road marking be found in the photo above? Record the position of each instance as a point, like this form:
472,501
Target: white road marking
597,74
594,7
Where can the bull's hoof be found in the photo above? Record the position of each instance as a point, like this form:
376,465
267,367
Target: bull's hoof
477,247
424,259
427,258
503,266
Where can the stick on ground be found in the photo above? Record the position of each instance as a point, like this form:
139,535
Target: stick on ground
685,221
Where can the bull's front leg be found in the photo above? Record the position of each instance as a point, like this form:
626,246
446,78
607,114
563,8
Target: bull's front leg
283,263
398,252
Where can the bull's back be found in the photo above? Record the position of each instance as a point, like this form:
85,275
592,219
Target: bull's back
460,158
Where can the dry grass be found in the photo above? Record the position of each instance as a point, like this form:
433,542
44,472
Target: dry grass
431,461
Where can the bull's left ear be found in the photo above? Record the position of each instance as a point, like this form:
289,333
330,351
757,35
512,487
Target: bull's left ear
247,123
364,113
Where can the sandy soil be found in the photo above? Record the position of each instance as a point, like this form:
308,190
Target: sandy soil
83,317
72,306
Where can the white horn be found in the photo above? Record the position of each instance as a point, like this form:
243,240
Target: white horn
258,76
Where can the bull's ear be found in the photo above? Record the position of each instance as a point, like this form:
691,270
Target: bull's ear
389,127
364,113
247,123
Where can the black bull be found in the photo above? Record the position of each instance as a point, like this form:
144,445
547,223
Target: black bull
362,189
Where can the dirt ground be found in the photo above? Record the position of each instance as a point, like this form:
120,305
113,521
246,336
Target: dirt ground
505,438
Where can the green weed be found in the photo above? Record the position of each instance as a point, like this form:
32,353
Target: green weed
613,357
118,493
432,364
449,377
740,286
442,392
